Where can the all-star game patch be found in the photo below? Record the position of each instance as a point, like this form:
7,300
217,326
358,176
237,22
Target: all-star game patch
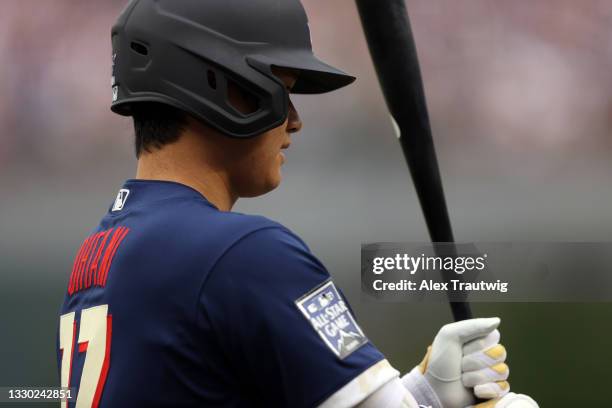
332,319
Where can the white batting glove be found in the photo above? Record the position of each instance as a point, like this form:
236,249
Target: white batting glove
511,400
463,363
483,367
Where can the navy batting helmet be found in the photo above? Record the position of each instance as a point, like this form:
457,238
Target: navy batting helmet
185,53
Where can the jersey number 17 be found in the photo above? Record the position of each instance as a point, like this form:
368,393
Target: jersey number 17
94,339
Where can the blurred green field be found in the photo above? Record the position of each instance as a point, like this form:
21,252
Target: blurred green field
558,353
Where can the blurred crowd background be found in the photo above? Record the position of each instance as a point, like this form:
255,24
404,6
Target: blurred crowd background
520,98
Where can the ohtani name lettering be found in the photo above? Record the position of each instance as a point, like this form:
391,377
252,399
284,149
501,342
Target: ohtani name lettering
94,258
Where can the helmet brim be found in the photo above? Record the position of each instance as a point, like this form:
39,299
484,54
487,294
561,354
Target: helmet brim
316,77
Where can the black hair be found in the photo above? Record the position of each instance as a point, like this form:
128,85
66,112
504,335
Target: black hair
156,125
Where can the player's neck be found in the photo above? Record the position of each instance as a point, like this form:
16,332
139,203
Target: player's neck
179,163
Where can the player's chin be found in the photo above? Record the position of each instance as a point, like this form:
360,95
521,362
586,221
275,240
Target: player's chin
275,175
273,181
263,184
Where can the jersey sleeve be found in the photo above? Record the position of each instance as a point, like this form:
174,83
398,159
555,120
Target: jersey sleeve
285,329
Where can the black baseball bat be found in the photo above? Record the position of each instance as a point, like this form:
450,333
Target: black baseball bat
387,29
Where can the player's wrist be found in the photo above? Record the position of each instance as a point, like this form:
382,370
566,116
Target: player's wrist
422,391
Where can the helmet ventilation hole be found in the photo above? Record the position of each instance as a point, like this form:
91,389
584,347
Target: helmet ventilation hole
139,48
240,99
212,79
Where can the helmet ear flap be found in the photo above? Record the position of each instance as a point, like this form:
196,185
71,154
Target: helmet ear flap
252,97
234,104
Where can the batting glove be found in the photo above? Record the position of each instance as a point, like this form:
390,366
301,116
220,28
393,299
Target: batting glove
511,400
465,362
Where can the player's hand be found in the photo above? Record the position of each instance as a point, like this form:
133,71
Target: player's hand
511,400
465,362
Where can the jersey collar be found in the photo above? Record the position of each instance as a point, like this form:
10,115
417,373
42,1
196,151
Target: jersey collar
137,192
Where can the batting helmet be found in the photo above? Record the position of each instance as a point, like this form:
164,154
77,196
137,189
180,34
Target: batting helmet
185,53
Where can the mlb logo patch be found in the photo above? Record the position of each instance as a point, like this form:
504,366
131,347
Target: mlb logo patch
332,319
121,199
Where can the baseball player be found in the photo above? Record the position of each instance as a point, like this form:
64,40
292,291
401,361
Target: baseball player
176,301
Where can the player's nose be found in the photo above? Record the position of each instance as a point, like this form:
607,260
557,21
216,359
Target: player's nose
294,122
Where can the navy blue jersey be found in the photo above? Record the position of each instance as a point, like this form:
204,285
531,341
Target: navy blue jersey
173,303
